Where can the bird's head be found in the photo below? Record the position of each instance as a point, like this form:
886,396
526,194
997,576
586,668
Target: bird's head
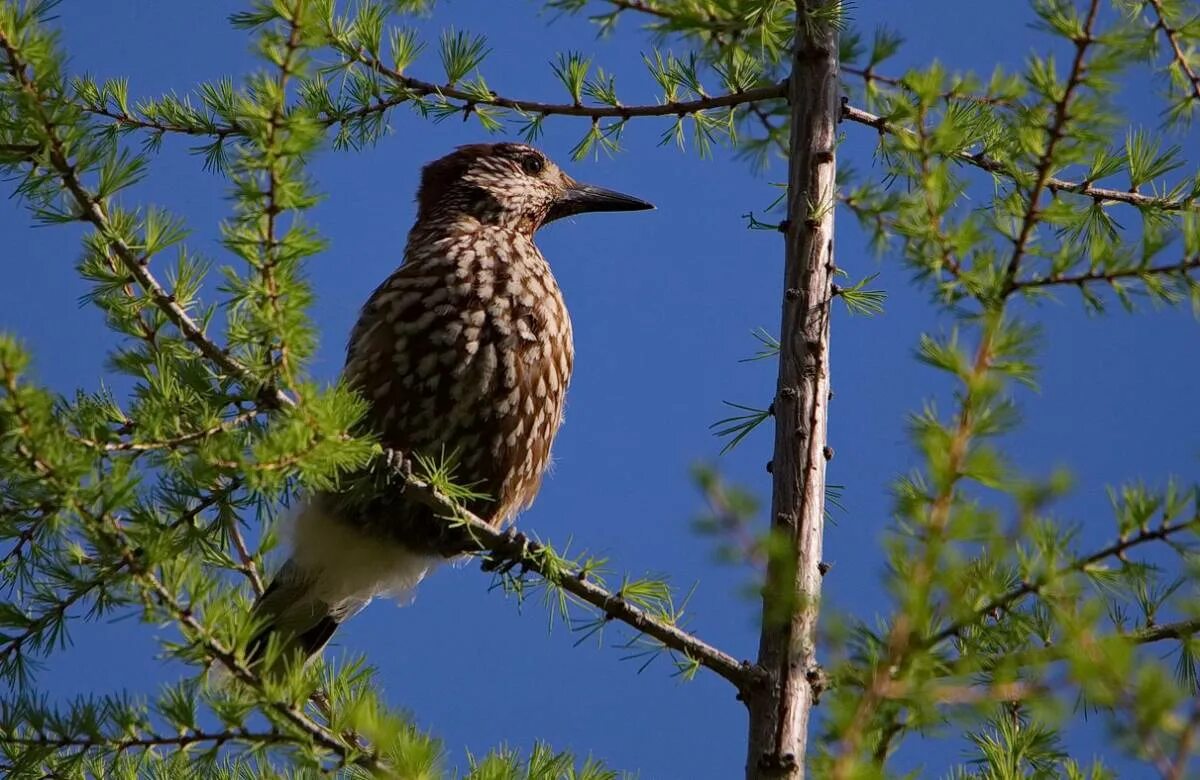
511,185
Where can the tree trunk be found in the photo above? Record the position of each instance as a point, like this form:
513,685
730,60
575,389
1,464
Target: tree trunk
780,707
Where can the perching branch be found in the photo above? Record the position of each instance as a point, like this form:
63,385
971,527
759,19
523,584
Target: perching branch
509,549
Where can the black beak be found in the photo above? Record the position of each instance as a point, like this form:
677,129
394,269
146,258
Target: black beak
582,198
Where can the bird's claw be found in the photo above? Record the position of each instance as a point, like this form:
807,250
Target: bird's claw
395,461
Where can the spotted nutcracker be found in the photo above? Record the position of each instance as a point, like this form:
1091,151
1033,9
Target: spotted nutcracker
464,352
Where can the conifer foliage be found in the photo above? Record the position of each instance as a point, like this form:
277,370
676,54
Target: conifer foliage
996,192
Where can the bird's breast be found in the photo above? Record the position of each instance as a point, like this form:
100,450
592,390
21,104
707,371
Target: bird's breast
467,353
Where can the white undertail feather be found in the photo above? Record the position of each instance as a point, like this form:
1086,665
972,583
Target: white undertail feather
334,572
344,563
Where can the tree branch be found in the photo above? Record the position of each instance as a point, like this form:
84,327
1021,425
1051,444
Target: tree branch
1052,183
508,549
1180,268
120,744
417,88
183,615
268,226
12,645
1115,550
92,210
224,426
19,151
1178,54
1186,746
1056,132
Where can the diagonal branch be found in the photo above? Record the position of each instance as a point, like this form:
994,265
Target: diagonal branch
507,549
154,590
1177,52
48,618
215,649
93,211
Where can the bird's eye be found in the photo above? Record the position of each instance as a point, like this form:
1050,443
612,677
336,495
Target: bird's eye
532,165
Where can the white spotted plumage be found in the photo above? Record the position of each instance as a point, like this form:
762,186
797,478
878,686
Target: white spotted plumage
464,353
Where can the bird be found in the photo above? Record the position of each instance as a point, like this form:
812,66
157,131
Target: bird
463,353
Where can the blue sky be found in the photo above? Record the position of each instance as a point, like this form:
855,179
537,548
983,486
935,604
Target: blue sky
663,305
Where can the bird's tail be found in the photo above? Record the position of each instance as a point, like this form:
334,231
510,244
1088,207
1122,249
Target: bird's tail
334,572
294,610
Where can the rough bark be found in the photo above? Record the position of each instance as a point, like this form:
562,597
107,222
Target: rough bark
780,707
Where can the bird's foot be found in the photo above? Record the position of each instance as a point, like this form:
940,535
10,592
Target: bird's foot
515,540
515,547
396,468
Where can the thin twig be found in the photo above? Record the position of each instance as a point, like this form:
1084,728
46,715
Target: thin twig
1056,132
1186,746
1052,183
178,441
248,567
1033,587
215,130
1169,269
120,744
417,87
